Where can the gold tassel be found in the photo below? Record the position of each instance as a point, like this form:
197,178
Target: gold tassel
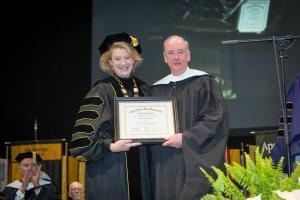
33,157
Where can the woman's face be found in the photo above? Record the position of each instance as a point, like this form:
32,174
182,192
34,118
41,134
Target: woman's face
121,62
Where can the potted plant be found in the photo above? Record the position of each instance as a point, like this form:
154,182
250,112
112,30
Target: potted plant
259,178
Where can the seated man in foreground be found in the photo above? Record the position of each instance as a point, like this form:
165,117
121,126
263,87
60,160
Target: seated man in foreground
34,184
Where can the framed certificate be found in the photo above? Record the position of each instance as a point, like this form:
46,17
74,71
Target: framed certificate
145,119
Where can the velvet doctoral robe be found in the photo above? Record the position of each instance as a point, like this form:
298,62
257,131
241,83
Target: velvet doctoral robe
109,175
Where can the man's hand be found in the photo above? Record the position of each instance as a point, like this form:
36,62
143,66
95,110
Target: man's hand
35,175
25,181
174,141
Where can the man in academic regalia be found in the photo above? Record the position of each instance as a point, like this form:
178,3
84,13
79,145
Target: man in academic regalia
203,128
35,184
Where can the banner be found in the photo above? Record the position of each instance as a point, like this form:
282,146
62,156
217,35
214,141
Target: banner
47,151
265,140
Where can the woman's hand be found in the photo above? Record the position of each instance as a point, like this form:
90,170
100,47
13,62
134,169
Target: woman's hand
123,145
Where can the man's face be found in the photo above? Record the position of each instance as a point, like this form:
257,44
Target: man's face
176,55
75,191
27,165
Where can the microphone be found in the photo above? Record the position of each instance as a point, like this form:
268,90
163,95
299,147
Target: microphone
227,42
269,39
35,128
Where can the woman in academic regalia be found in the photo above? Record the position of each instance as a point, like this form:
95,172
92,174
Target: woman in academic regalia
115,169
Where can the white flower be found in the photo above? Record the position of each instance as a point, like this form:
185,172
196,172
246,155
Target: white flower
293,195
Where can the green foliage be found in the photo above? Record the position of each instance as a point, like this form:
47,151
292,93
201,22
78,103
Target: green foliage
290,183
259,177
212,197
223,185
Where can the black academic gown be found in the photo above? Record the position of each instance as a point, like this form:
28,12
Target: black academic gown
109,176
47,192
202,119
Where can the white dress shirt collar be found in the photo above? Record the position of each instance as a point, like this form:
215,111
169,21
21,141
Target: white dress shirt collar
187,74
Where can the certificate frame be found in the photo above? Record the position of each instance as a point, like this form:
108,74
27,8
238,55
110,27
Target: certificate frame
145,119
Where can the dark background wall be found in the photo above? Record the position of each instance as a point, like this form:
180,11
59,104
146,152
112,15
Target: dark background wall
47,68
47,57
246,71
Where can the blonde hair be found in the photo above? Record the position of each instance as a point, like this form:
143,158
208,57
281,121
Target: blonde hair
105,57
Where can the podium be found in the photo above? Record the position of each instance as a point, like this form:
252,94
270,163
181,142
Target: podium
62,169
